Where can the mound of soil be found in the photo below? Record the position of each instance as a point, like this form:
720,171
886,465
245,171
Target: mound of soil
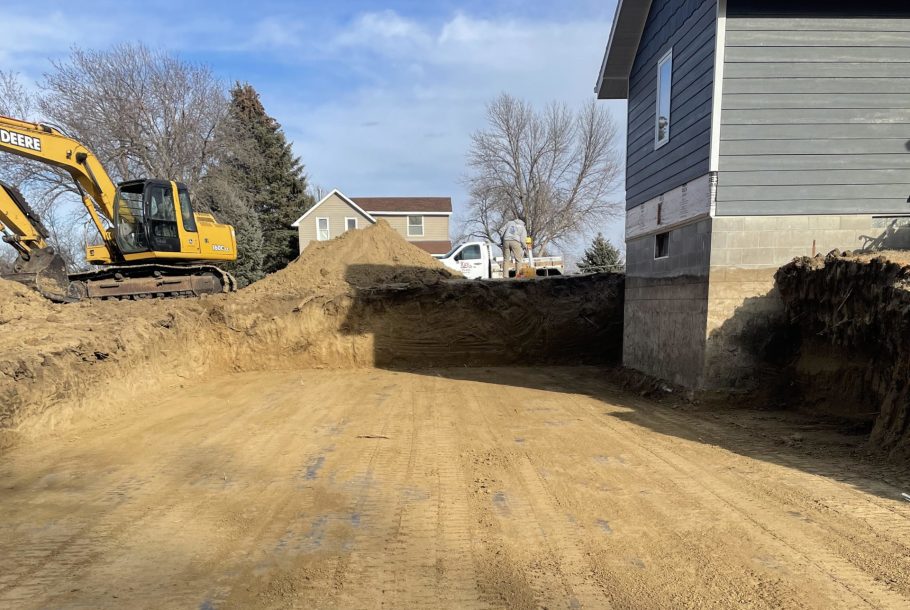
17,301
853,313
371,256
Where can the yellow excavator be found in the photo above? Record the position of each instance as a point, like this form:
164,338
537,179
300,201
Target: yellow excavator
153,244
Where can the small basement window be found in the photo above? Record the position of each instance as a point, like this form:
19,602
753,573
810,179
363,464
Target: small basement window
415,226
662,245
664,92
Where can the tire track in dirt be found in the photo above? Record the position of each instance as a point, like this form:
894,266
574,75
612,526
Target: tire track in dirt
534,504
189,500
626,562
852,580
456,572
361,574
884,552
288,527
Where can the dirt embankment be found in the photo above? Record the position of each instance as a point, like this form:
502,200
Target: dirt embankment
854,318
366,299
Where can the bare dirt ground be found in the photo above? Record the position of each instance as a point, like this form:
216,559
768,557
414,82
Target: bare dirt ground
458,488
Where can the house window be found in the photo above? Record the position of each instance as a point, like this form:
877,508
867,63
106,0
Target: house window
322,229
350,223
415,226
664,91
662,245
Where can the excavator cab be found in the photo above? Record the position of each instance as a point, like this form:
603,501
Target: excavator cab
154,220
148,218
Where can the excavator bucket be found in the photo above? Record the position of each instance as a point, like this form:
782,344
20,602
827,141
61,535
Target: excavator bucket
44,271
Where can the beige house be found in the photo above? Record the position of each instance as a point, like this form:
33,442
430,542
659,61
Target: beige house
421,220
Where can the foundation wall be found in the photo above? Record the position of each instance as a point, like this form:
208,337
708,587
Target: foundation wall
664,327
744,311
708,315
665,307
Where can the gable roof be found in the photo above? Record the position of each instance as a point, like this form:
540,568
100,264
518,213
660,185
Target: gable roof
379,205
343,197
628,25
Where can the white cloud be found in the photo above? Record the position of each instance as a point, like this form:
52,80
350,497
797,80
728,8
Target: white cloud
274,32
372,28
28,41
463,29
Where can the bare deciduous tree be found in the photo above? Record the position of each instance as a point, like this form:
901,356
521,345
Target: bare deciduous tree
557,170
143,113
317,192
18,102
14,99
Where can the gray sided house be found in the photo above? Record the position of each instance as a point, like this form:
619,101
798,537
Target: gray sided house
758,131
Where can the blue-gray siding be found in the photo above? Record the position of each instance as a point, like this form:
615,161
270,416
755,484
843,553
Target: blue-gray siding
688,27
816,116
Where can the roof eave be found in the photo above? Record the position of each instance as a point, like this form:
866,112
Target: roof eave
628,26
344,198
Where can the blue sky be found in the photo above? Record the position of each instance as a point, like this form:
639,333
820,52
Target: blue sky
379,98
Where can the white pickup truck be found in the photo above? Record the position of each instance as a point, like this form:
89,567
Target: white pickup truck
475,260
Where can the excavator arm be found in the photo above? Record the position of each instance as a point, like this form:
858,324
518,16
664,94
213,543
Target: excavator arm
21,227
48,145
38,265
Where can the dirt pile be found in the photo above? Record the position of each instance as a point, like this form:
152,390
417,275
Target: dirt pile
17,301
854,317
366,299
375,255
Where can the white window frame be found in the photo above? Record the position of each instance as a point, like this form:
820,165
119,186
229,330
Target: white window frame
328,229
422,226
668,57
346,219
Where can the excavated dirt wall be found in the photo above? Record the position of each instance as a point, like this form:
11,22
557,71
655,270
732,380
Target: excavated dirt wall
853,315
365,299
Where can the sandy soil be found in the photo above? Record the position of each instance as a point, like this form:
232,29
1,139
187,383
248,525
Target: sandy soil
458,488
364,299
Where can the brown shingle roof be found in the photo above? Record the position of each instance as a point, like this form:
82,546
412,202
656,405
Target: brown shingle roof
404,204
434,247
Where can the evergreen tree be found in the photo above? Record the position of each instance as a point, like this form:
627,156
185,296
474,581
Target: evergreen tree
268,175
600,256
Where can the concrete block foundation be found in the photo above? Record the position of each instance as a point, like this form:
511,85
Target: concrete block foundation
703,316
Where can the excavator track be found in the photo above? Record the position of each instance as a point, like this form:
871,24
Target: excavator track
134,282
